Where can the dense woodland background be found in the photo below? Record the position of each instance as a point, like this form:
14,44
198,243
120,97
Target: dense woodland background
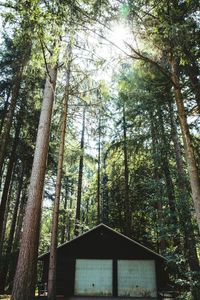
124,138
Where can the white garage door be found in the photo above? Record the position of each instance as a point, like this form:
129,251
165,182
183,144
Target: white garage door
93,277
136,278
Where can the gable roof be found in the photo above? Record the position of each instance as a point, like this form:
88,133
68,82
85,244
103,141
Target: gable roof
102,225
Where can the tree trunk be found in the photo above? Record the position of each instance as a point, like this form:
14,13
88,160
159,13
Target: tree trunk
4,112
105,195
12,232
105,199
80,177
99,174
20,219
55,215
7,182
128,214
169,182
25,276
157,177
69,219
64,219
17,238
189,151
4,230
184,209
8,123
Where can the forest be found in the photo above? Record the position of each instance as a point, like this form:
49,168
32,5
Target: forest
99,123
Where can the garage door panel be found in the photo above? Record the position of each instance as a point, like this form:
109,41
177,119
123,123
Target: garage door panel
136,278
93,277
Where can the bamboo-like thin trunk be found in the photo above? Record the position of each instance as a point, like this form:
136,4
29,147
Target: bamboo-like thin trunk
128,214
55,215
80,177
64,219
99,174
25,276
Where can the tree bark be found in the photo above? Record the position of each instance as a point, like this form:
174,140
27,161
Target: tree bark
4,112
12,232
17,239
99,174
69,223
54,230
188,147
64,219
80,179
7,182
128,214
25,276
169,182
20,219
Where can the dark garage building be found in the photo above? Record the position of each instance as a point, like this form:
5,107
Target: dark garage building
104,263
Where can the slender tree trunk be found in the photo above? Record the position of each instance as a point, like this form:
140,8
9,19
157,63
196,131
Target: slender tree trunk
64,219
189,151
4,112
99,174
105,198
157,177
169,182
25,276
104,193
8,206
7,182
80,179
4,231
128,214
12,232
69,223
20,219
17,238
54,230
8,123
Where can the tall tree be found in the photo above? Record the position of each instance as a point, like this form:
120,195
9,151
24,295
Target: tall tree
167,40
54,231
25,277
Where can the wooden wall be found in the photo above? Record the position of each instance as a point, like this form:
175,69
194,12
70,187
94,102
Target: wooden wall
100,243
